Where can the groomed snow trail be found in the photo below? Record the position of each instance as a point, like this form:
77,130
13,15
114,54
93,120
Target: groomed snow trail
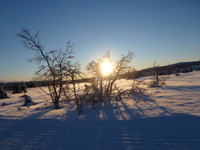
166,133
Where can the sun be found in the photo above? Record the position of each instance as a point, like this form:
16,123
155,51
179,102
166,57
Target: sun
106,68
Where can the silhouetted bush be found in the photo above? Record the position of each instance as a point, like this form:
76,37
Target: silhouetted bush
27,100
158,79
3,93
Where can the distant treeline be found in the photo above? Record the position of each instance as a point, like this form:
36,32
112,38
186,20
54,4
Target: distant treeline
184,67
18,87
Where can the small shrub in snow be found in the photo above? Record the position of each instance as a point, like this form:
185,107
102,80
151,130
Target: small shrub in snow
3,93
158,80
27,100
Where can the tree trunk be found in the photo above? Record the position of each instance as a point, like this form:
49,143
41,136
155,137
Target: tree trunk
56,102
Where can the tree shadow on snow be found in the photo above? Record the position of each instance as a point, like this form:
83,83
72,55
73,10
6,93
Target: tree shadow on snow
153,133
119,125
183,88
127,109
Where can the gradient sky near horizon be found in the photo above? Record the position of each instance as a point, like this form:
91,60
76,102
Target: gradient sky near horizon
166,31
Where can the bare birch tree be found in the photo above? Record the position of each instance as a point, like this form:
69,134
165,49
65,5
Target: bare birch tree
105,87
51,64
158,81
74,73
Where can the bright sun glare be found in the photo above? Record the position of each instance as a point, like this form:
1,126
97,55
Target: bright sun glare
106,68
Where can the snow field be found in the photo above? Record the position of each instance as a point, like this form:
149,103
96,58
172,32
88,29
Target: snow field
169,120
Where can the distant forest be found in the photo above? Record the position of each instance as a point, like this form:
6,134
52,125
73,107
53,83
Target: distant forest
176,68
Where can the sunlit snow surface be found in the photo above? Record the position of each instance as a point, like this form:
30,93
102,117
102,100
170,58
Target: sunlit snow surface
170,119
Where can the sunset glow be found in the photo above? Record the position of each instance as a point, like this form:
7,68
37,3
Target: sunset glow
106,68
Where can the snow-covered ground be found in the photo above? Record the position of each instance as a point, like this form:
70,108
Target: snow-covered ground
169,120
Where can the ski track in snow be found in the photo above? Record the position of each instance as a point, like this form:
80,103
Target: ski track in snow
152,133
171,122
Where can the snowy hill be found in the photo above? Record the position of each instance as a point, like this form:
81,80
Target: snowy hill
170,119
181,67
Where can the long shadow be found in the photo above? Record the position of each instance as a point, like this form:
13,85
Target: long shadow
150,107
155,133
121,110
183,88
103,130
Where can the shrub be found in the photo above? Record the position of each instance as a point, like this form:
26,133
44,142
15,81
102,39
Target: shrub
3,93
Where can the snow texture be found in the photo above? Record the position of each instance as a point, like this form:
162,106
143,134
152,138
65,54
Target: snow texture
169,120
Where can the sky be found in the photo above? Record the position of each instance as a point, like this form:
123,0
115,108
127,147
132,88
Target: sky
165,31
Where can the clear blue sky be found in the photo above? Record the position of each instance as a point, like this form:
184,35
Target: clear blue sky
167,31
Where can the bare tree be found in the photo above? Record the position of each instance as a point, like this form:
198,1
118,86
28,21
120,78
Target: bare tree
158,81
74,73
121,67
51,64
104,87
